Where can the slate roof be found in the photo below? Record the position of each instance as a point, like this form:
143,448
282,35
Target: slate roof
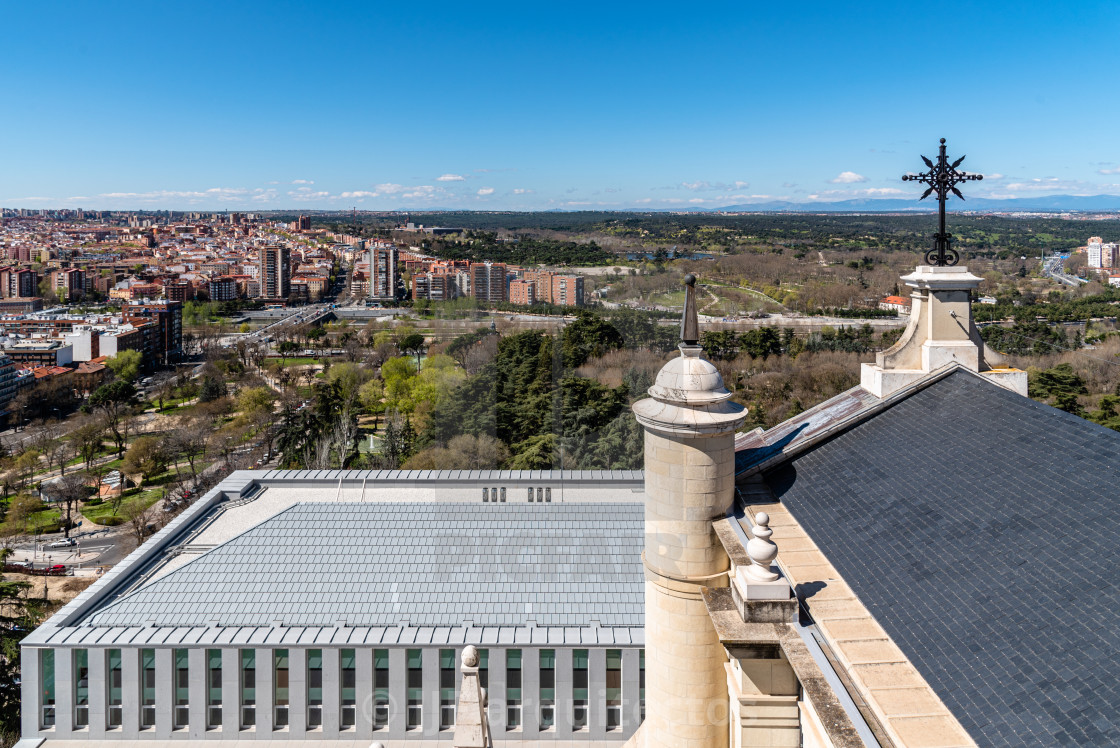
982,530
410,564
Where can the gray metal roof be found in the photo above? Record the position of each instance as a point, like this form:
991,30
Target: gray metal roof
980,529
385,565
358,476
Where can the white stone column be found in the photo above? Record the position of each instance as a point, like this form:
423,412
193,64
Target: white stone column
165,691
689,426
364,693
231,693
266,691
198,687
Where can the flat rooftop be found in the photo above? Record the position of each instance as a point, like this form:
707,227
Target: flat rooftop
271,556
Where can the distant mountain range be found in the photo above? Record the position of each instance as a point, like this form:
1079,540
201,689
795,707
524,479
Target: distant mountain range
1045,203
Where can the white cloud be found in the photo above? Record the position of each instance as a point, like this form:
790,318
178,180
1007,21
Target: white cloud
305,194
224,194
997,175
303,181
702,186
522,191
358,194
486,191
451,178
1114,170
848,177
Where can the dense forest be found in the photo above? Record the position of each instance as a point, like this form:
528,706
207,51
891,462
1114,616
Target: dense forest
990,236
478,246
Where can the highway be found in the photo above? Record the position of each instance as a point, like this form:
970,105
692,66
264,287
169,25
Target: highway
1052,268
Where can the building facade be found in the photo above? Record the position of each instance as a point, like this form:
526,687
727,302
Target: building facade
275,272
488,281
562,661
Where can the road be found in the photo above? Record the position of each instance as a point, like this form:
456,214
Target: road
1052,267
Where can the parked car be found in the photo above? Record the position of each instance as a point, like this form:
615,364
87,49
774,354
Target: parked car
57,569
63,543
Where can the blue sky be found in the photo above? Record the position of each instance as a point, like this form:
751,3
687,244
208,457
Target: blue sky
538,106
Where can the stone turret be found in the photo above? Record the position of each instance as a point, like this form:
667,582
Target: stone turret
690,425
941,332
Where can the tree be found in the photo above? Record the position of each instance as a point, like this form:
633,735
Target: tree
115,400
87,440
19,615
126,365
141,521
24,466
589,336
189,439
53,447
212,389
65,493
146,457
413,343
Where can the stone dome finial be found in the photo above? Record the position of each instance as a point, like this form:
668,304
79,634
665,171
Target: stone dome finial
470,656
762,550
690,321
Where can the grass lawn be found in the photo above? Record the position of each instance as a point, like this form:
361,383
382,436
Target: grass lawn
278,363
148,494
670,299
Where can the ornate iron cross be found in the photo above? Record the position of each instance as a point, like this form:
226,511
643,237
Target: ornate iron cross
942,179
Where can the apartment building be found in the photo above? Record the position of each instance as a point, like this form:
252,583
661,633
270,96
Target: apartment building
488,281
275,271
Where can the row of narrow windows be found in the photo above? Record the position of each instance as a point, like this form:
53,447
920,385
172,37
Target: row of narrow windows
245,701
498,495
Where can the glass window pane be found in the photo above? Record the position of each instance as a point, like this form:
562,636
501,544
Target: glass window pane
315,677
81,677
281,678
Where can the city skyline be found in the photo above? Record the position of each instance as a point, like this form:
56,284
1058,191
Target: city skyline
507,107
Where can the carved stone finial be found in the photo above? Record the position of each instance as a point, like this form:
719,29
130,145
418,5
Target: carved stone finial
690,323
762,550
472,725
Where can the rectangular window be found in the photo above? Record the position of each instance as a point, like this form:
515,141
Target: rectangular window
115,716
182,714
486,494
349,689
579,689
248,688
213,688
446,689
548,495
614,689
503,493
147,688
380,688
513,689
46,680
540,495
415,685
530,495
642,684
280,686
484,668
81,688
548,688
314,688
